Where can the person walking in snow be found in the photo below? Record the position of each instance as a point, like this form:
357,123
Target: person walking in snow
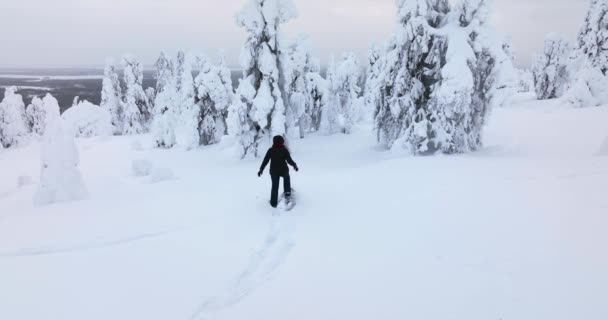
279,157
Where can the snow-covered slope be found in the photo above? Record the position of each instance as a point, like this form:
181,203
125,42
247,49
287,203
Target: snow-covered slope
516,231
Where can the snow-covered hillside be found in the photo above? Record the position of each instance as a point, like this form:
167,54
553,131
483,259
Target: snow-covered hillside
514,231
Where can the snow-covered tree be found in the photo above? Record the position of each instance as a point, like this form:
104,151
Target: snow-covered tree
111,96
589,70
330,115
60,178
507,47
85,119
494,79
13,121
317,89
525,82
593,36
151,95
137,112
441,73
551,68
214,96
411,72
165,103
344,78
186,125
373,74
165,72
260,109
36,116
297,61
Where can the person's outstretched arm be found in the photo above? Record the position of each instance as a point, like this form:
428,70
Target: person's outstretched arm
264,163
291,162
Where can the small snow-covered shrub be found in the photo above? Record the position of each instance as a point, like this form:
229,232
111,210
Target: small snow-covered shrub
160,174
60,178
141,168
88,120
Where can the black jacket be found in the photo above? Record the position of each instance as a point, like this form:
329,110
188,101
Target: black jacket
279,157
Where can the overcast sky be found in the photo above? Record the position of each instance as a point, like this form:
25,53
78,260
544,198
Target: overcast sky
43,33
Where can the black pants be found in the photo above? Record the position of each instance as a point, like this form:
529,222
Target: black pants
274,193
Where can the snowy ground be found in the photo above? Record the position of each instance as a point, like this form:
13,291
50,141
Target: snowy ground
516,231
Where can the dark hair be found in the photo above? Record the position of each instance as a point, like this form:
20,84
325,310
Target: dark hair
278,140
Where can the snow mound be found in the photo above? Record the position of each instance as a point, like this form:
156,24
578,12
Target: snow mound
604,148
88,120
160,174
141,168
137,146
24,180
588,89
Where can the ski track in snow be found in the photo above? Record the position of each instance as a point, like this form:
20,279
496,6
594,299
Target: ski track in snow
262,266
83,247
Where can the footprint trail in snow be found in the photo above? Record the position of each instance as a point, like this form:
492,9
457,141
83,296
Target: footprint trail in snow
262,266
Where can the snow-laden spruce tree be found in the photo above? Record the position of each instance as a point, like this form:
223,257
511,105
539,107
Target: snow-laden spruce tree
442,71
330,116
317,89
259,110
151,95
551,68
493,73
214,97
60,178
165,72
589,70
593,37
166,103
14,130
111,96
344,78
136,107
296,62
36,116
411,71
186,129
373,74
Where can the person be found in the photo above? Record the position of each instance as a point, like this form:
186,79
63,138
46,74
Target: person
279,157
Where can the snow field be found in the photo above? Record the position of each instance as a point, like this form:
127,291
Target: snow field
515,231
